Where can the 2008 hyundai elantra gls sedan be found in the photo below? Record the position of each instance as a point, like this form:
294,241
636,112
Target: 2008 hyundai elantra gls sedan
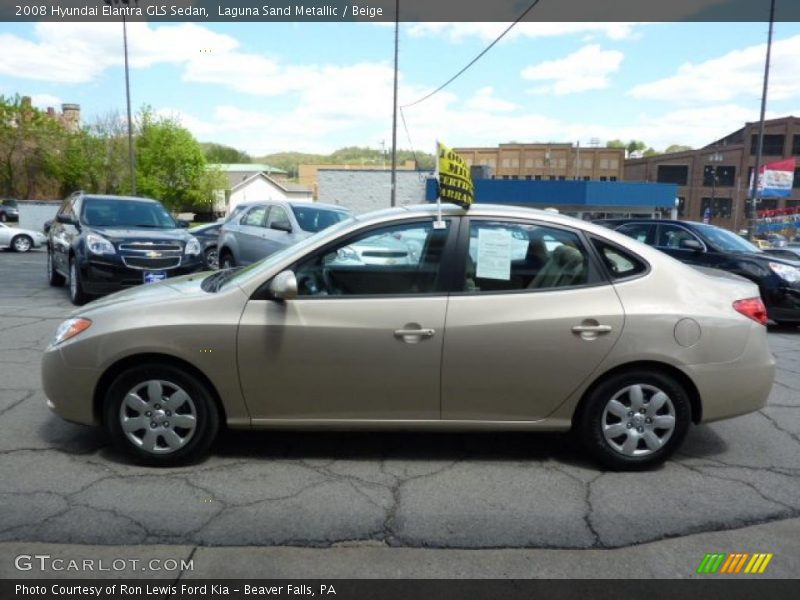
506,319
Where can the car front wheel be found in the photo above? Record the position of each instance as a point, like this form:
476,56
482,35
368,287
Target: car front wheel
161,415
76,293
226,260
635,419
212,258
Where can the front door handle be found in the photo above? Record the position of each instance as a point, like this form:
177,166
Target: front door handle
413,333
591,329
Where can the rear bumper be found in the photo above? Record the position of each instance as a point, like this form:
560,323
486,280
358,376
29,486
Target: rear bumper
783,302
737,387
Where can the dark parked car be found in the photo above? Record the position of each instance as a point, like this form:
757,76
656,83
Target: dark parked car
9,210
788,252
704,245
208,235
102,244
262,228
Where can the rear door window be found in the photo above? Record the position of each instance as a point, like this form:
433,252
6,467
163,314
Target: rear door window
641,232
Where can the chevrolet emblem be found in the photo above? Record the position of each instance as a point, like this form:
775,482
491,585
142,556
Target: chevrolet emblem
152,254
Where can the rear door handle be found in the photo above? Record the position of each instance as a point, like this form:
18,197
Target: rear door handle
425,333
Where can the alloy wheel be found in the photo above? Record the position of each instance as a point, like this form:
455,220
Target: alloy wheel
22,244
638,420
158,416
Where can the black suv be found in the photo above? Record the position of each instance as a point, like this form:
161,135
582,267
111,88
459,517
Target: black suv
102,244
705,245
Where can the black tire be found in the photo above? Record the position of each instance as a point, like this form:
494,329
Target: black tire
3,217
76,293
593,420
211,257
204,408
54,278
226,260
21,243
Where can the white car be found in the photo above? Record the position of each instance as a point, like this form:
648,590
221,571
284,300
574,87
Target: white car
20,240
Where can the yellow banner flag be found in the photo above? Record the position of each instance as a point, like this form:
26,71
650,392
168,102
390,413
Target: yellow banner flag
455,181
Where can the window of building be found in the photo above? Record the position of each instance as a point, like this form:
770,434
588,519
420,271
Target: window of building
537,177
528,177
552,177
719,176
514,177
613,178
587,163
796,145
792,203
773,144
562,163
720,207
586,178
613,163
767,204
796,182
505,176
562,177
539,162
603,178
506,162
678,174
528,163
515,162
604,163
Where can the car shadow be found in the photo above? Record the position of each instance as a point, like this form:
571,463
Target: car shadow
785,328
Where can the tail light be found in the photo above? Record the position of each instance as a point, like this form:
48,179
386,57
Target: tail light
753,308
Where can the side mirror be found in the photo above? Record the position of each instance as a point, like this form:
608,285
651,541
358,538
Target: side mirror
281,226
691,245
66,220
284,286
183,223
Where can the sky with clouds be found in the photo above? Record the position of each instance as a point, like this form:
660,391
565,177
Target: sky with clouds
268,87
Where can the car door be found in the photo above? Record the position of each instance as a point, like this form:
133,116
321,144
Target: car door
671,238
280,233
523,333
62,234
251,234
5,235
361,341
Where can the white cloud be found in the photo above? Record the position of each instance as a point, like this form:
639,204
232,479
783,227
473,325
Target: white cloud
489,31
733,75
485,100
585,69
44,101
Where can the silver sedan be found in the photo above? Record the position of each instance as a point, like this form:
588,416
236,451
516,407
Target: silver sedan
503,319
20,240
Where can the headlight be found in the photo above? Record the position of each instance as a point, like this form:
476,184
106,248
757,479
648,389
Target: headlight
69,329
785,272
99,245
193,246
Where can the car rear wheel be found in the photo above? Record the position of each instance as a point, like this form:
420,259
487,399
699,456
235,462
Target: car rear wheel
635,419
161,415
76,293
212,257
21,243
54,278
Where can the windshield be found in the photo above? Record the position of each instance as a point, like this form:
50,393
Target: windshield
12,203
222,278
726,240
113,212
314,219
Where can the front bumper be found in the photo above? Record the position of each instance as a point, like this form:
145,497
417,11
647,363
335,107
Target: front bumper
783,302
108,274
69,390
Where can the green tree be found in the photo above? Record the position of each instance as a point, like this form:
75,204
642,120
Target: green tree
219,153
170,163
29,149
650,152
635,146
615,144
677,148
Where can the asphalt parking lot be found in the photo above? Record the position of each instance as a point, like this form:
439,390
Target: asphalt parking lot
63,483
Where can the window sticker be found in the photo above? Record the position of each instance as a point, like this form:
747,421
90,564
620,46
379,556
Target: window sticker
494,254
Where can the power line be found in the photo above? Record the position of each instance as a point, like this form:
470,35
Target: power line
476,59
408,135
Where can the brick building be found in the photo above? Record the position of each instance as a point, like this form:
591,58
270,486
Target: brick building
717,176
548,162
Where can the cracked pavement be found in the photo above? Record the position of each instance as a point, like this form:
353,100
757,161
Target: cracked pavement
62,483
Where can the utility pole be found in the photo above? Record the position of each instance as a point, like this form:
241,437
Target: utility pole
394,104
131,154
754,193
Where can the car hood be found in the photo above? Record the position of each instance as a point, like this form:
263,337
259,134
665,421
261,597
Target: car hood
125,234
147,295
766,257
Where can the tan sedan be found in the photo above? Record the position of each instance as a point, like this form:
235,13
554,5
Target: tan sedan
506,319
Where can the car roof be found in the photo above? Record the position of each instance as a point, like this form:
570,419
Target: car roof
115,198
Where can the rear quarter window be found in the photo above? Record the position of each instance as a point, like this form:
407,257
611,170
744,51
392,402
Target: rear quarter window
619,263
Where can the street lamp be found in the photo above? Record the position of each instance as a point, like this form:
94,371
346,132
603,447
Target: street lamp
131,154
